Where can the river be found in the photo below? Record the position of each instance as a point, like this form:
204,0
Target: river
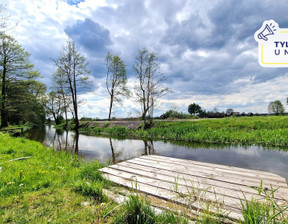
105,149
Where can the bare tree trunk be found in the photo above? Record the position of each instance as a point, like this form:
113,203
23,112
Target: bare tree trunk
111,105
4,122
77,142
75,95
113,153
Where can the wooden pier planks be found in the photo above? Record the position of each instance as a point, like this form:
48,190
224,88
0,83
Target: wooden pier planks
194,183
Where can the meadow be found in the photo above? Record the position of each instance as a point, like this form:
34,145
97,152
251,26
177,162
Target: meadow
270,131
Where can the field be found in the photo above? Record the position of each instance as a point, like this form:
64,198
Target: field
271,131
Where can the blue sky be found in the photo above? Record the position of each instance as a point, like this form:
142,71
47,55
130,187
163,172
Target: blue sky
206,48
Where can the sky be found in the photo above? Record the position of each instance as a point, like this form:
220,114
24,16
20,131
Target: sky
206,49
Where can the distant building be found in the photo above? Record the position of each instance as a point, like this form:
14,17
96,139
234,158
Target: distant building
215,115
237,114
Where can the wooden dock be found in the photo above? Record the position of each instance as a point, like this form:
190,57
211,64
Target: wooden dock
194,184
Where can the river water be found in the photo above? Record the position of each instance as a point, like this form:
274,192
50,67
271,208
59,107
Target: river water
110,150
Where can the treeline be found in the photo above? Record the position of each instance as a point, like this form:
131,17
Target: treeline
24,98
71,78
21,94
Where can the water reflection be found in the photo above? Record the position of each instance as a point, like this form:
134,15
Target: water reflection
56,138
149,147
115,150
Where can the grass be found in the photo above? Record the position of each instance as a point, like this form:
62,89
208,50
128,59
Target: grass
137,210
266,131
47,186
16,129
267,211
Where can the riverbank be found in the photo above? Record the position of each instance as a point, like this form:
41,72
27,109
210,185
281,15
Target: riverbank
270,131
16,130
40,185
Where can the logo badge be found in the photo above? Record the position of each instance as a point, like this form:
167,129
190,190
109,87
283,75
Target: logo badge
272,45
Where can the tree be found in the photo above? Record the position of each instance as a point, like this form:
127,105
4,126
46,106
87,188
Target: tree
3,17
116,79
62,91
229,112
148,88
14,67
276,107
73,67
54,106
194,108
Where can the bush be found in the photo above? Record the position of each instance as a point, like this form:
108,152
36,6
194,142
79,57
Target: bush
174,114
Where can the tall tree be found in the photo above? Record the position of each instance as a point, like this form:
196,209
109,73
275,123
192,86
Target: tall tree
116,80
194,108
62,90
3,17
54,106
229,112
148,88
73,66
25,102
276,107
14,66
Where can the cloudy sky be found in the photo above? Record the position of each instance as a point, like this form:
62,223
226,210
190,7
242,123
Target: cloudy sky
206,48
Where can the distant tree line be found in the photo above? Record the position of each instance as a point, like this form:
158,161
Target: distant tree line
196,111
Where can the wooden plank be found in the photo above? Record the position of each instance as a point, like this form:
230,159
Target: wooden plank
181,189
280,193
247,174
241,171
177,179
191,178
193,184
171,196
251,182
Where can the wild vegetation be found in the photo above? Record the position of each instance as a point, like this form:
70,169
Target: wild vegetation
265,131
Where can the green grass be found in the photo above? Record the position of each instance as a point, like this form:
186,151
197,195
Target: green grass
267,211
47,186
139,211
266,131
16,129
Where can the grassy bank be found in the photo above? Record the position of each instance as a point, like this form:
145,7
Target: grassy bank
265,131
16,130
39,185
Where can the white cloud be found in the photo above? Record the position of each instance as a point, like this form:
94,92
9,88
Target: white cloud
206,49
